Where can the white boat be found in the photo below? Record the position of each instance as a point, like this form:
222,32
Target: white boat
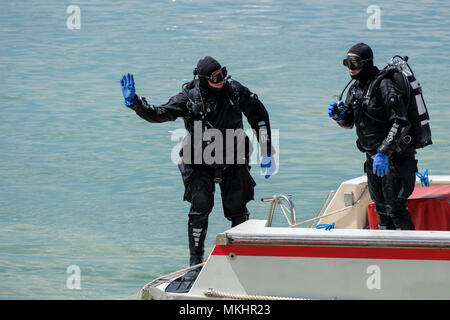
336,257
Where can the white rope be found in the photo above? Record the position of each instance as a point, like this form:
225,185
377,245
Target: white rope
332,212
219,294
320,217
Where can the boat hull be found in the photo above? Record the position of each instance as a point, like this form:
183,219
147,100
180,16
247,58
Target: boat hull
256,262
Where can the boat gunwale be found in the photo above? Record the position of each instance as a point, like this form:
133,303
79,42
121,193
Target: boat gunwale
341,243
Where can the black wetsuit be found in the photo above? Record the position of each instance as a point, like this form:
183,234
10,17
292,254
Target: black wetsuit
381,124
219,110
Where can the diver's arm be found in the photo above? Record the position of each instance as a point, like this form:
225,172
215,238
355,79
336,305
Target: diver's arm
176,107
173,109
258,118
396,108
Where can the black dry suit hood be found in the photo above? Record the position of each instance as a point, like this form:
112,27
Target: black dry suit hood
365,53
205,67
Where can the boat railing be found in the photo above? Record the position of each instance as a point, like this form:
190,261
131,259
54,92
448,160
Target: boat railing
287,207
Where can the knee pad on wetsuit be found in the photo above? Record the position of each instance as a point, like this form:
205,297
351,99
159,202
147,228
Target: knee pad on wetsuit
202,201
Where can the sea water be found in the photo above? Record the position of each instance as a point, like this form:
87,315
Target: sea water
90,200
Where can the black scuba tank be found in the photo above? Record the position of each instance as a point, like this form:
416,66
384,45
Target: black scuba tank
401,73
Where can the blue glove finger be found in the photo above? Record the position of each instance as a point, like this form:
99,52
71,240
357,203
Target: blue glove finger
331,111
341,103
334,112
128,79
130,85
123,83
382,169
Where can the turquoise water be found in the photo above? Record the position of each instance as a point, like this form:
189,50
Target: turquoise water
84,181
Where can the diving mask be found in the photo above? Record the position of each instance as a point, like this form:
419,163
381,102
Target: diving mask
354,63
217,76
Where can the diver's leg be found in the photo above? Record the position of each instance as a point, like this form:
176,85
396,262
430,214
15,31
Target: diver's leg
237,189
397,187
200,193
375,186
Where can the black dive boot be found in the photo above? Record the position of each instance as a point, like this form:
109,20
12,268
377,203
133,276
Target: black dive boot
197,227
403,221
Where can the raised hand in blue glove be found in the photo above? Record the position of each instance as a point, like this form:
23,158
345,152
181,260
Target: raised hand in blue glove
268,166
335,112
380,164
128,90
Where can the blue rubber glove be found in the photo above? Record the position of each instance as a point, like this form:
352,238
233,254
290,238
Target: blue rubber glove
335,112
268,166
128,89
380,164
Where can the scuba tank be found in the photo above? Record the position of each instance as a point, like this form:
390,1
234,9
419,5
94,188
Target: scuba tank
418,116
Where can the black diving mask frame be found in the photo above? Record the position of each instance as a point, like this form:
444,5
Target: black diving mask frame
354,62
217,76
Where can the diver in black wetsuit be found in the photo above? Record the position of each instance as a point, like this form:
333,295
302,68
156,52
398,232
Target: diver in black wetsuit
381,126
212,103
